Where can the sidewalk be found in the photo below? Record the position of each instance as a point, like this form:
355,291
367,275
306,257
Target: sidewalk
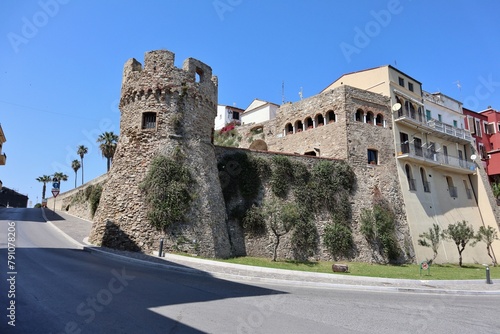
79,229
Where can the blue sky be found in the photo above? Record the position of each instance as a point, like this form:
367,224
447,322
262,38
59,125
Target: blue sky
61,61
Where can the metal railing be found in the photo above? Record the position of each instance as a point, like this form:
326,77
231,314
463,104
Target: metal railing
423,153
434,124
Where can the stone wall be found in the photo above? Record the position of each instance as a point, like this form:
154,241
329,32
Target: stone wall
184,105
74,201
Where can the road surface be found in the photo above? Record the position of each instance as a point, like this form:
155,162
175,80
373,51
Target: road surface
53,286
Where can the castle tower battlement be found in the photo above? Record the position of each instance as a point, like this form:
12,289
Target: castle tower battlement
164,109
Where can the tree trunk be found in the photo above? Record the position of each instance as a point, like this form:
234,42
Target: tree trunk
82,169
108,163
276,244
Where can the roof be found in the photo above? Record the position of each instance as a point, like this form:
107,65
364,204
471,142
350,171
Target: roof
371,69
228,106
256,103
2,135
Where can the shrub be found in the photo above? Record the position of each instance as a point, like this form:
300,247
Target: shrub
95,198
167,190
337,239
305,239
253,221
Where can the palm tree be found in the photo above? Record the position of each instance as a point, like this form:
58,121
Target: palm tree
76,166
108,141
44,179
60,176
82,150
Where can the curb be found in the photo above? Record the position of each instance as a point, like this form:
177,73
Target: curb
305,283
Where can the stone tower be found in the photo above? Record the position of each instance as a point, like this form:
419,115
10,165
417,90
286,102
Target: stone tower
164,109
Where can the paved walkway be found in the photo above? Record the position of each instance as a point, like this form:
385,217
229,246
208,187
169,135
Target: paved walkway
79,229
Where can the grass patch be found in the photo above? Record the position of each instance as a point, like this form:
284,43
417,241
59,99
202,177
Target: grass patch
407,271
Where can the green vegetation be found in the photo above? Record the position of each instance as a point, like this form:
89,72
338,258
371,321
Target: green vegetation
228,136
461,234
338,239
378,227
488,235
94,198
167,188
254,222
432,239
406,271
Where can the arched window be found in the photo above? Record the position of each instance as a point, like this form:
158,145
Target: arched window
359,115
400,111
425,183
379,120
299,126
309,123
320,121
289,129
330,117
410,109
369,117
409,177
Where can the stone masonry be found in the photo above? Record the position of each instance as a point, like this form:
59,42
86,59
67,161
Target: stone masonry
164,109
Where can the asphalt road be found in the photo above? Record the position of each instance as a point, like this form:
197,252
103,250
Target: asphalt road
58,288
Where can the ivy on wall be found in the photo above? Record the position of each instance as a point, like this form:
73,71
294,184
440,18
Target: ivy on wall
167,189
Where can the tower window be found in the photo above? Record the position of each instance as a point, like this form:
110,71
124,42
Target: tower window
149,120
372,157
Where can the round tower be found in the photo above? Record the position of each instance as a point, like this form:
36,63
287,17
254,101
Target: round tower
164,110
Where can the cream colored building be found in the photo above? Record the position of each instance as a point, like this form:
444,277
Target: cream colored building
259,111
439,181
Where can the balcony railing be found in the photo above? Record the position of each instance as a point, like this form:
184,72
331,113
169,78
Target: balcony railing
412,184
431,157
434,124
427,187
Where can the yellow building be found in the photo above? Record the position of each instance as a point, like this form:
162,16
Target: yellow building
440,181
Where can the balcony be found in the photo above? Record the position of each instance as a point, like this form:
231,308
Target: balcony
435,127
426,157
3,159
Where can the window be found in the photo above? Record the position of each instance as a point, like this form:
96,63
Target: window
320,121
460,158
489,128
236,115
369,117
289,128
455,124
400,111
440,118
482,150
330,116
309,123
425,183
417,143
198,75
372,157
420,116
410,86
428,114
359,115
445,153
451,188
298,126
409,177
472,128
405,145
401,82
468,191
478,128
379,120
149,120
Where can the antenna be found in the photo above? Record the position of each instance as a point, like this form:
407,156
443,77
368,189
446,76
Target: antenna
283,92
301,93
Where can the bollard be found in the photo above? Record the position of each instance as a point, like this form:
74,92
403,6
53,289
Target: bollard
488,279
161,248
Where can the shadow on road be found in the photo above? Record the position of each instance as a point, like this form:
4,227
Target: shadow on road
59,289
21,214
